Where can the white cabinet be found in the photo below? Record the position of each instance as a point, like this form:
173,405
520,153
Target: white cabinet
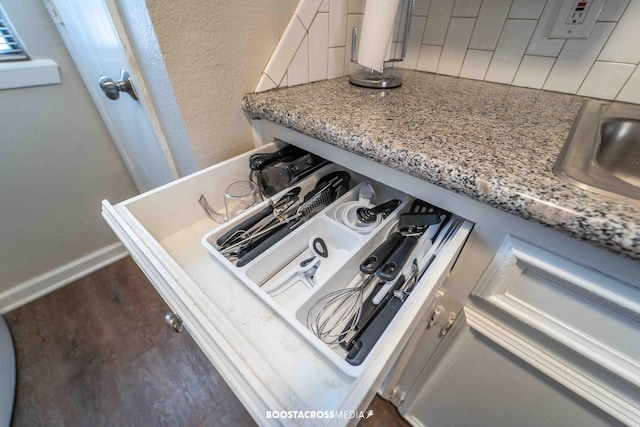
540,340
477,383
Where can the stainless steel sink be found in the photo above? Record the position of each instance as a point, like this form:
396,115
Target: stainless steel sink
602,153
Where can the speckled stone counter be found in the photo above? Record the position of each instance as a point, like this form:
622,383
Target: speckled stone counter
494,143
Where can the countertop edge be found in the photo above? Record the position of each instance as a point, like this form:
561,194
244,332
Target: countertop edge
602,228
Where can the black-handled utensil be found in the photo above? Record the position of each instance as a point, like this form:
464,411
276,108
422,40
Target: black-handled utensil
379,255
369,336
252,253
328,189
228,237
244,225
369,312
412,225
394,264
249,246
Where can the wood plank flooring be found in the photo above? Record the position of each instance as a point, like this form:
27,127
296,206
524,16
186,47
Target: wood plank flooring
97,353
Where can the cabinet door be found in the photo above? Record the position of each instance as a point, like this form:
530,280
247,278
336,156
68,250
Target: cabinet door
541,340
476,382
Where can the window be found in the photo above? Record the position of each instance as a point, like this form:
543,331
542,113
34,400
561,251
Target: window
17,70
11,47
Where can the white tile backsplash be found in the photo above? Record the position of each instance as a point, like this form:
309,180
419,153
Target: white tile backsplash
526,9
612,10
476,64
437,22
413,46
540,45
428,58
336,62
318,47
491,18
352,21
455,46
495,40
511,46
265,83
606,79
576,58
298,72
286,49
307,10
624,43
533,71
466,8
356,6
631,90
338,22
421,7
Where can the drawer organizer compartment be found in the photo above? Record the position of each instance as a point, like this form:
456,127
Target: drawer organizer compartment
308,255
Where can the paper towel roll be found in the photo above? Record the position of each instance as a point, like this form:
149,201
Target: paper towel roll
377,31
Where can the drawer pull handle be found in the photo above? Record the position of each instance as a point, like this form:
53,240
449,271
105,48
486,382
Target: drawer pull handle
174,321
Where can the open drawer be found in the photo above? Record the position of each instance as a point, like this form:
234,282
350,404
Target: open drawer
269,363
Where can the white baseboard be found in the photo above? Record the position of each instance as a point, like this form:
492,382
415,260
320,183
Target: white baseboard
48,282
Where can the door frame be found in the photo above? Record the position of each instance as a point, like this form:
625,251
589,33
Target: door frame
96,93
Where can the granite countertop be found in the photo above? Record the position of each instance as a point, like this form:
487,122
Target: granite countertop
494,143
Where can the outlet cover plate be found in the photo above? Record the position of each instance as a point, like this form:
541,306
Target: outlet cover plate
563,30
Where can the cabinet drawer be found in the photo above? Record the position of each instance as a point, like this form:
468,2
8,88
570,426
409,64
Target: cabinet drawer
267,361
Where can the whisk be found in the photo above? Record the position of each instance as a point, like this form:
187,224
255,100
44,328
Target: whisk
336,314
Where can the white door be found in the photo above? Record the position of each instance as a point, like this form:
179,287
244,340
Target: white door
88,30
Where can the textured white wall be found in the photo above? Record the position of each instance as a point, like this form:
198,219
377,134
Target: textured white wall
57,161
215,52
501,41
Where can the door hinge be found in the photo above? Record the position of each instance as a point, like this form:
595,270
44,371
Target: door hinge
53,12
434,316
448,324
397,397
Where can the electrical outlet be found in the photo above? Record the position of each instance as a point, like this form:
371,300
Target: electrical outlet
578,12
575,18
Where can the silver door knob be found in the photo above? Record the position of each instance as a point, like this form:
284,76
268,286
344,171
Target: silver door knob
112,88
174,321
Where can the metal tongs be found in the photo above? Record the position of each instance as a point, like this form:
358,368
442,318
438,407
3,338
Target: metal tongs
326,191
250,238
251,226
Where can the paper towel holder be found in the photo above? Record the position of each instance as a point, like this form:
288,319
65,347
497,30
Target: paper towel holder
374,79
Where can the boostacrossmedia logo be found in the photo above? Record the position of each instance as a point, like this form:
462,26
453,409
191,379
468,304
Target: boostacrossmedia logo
319,414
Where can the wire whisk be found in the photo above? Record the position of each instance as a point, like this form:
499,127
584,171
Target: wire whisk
336,314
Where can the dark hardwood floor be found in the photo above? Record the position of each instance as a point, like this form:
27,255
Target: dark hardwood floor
98,353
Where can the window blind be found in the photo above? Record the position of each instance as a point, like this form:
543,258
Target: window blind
11,48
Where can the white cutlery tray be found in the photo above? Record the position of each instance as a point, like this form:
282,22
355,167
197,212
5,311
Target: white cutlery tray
272,275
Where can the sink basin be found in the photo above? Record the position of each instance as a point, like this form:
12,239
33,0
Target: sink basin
619,149
602,152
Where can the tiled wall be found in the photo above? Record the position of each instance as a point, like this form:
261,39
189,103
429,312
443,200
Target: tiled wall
494,40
